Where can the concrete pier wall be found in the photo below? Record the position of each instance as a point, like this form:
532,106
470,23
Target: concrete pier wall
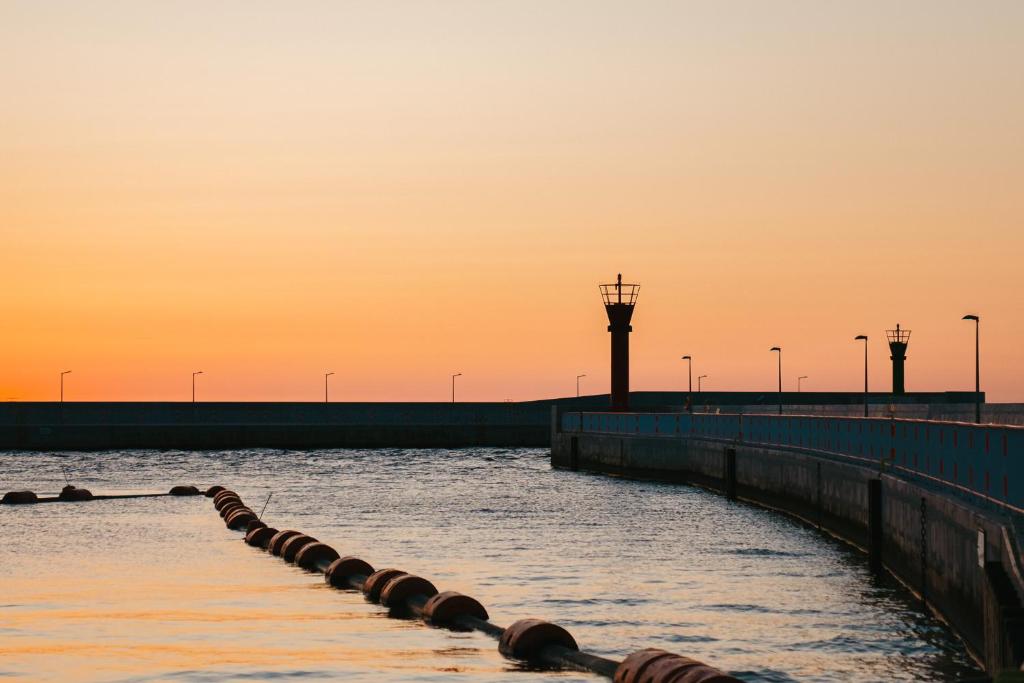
216,425
955,550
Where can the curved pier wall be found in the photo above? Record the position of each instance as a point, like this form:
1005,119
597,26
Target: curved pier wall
925,537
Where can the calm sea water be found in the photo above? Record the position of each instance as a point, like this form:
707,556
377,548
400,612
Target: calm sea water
158,589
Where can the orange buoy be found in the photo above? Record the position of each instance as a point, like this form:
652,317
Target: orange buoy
444,608
344,567
375,582
239,518
260,537
231,507
527,637
213,491
401,588
220,494
70,493
274,548
312,554
291,547
19,498
652,665
184,491
219,503
254,524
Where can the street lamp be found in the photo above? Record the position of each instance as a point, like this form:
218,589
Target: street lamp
865,338
977,366
326,375
689,372
578,385
197,372
779,349
798,387
66,372
698,382
458,374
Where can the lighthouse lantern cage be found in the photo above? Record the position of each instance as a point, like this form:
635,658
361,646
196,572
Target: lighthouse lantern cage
619,292
898,336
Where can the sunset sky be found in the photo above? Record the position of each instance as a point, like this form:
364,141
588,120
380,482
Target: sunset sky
396,192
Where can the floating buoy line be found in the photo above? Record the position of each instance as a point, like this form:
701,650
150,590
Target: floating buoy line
538,642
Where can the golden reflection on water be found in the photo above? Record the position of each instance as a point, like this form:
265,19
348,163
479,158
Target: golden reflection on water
132,588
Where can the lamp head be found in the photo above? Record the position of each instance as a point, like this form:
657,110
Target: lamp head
687,358
971,317
861,336
775,348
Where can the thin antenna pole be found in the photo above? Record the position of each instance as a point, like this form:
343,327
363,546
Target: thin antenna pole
68,481
265,506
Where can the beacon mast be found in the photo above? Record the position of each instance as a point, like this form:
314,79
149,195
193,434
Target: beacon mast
619,301
898,340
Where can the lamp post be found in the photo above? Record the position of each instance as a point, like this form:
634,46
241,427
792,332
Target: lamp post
779,349
689,373
326,375
798,387
977,366
458,374
197,372
66,372
578,385
865,338
698,382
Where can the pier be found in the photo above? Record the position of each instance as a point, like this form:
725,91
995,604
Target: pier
937,504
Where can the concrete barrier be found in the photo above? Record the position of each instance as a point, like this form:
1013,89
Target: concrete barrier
934,503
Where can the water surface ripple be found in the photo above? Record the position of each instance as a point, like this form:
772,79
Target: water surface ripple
158,589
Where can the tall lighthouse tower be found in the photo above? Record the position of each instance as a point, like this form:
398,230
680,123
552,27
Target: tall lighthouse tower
619,301
898,340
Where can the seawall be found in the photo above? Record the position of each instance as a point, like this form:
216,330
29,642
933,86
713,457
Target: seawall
955,549
221,425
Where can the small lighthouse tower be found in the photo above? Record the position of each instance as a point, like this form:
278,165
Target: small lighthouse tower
898,340
619,301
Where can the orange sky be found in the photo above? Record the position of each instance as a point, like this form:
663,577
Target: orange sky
400,191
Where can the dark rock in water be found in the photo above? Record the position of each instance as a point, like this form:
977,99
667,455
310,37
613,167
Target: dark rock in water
19,498
71,493
184,491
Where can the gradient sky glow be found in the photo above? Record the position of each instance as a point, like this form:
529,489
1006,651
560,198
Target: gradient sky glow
396,192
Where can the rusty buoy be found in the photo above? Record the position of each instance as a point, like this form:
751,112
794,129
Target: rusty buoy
19,498
220,503
444,608
400,588
213,491
254,524
274,548
231,507
527,637
240,518
223,492
70,493
344,567
659,666
312,554
375,582
260,536
184,491
291,547
220,498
